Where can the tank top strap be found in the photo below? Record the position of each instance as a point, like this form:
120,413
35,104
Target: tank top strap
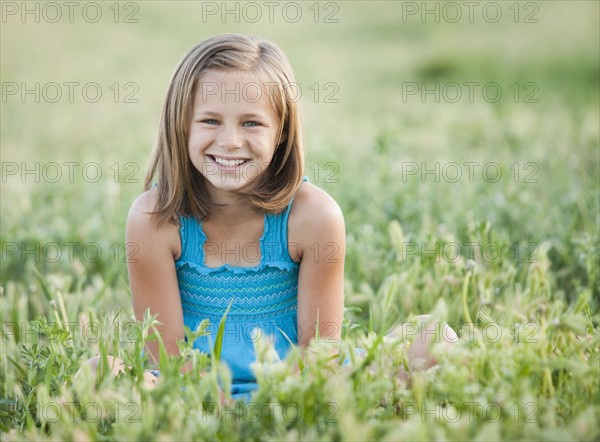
289,206
192,239
275,244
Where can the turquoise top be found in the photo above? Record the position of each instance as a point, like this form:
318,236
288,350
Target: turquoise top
264,296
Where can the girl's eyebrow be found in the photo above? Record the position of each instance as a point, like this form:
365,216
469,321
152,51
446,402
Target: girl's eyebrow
243,116
209,113
252,115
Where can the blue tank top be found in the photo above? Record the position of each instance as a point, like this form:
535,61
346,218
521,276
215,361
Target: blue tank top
263,297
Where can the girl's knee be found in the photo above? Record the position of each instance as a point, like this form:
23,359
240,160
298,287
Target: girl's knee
91,365
434,331
449,334
427,329
115,365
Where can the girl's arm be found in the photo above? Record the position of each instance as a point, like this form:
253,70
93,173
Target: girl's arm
152,275
317,226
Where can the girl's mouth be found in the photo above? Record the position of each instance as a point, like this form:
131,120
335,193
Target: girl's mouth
228,163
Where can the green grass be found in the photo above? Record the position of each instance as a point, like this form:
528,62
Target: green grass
527,363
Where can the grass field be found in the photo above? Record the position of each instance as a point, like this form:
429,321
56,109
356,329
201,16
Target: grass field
463,150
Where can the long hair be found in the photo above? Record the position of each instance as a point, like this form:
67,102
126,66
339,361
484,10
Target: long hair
182,188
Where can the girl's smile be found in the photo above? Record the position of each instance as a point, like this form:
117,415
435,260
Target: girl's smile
233,131
228,163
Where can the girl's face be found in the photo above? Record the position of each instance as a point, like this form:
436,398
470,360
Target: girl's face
233,130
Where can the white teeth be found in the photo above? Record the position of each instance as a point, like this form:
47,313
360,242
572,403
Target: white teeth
228,163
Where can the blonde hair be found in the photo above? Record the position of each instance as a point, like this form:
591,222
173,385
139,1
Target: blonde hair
182,188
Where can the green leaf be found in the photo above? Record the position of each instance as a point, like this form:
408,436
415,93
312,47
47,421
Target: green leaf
219,338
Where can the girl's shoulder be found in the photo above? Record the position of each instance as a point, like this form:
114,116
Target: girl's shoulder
144,203
315,217
141,226
309,198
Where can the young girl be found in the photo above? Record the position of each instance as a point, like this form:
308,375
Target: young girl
227,218
231,219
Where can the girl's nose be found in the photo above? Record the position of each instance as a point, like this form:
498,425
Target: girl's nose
229,139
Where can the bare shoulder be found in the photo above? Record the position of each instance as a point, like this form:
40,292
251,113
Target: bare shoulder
315,217
313,206
142,228
140,213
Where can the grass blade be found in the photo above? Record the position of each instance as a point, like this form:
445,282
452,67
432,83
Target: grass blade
220,332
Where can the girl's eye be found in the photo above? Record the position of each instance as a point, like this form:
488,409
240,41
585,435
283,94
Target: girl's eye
210,121
251,124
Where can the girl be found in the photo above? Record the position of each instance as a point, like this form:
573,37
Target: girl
231,220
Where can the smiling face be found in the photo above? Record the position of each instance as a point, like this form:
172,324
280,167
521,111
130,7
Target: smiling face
234,130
